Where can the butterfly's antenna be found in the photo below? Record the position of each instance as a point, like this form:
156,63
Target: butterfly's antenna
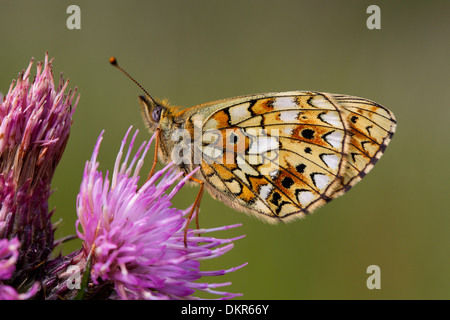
113,61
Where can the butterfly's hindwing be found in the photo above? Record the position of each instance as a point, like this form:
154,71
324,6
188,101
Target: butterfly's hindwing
371,128
295,152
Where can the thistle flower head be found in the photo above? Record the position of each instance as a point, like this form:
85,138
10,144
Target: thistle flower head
136,236
35,119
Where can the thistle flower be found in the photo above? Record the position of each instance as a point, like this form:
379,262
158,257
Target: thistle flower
133,237
9,252
136,236
35,121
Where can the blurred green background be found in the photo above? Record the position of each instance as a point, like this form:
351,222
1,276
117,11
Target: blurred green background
198,51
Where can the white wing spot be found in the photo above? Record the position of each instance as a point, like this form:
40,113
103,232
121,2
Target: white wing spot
265,191
288,116
288,130
335,138
273,174
305,197
281,103
331,118
321,103
264,144
239,113
331,160
321,181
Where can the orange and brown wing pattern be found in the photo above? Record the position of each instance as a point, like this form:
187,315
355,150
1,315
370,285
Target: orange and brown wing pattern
282,155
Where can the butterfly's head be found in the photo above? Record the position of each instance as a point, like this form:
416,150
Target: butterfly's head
152,111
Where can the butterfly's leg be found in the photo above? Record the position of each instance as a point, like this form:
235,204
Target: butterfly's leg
195,208
200,194
155,158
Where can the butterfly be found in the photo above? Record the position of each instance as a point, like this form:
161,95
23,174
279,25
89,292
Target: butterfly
278,156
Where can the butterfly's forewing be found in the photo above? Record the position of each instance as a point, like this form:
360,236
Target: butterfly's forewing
282,155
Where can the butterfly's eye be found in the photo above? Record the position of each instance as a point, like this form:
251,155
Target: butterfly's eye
156,113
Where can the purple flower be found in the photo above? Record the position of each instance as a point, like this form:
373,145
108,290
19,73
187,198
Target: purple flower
35,120
9,252
136,236
133,237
